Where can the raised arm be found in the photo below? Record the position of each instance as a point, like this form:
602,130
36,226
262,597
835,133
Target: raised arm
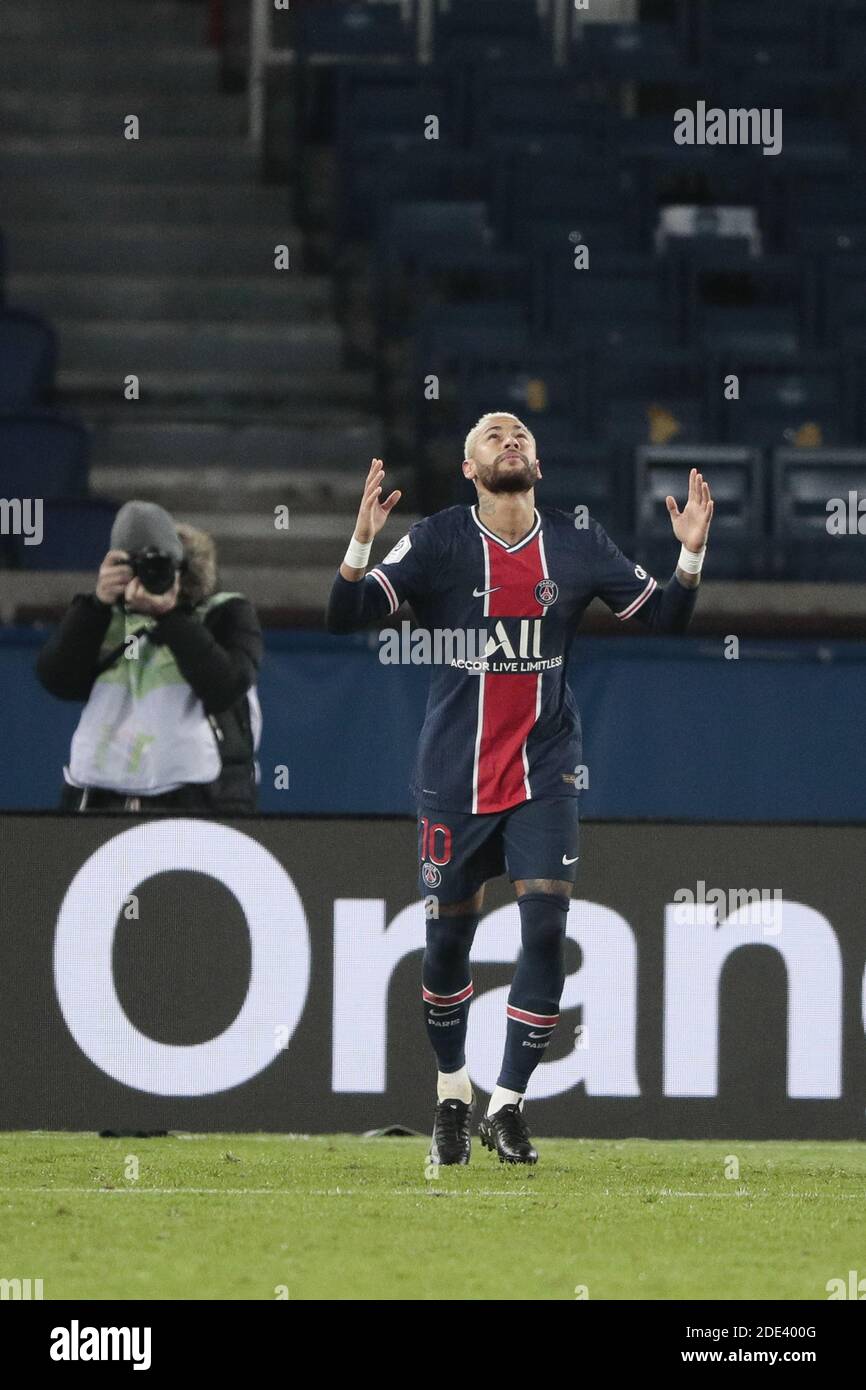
67,664
353,604
669,610
691,528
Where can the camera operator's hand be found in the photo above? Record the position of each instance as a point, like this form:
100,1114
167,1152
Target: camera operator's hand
138,600
115,573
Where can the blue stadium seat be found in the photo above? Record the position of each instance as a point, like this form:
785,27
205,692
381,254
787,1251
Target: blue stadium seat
771,330
331,30
845,301
741,298
436,234
42,455
640,50
815,196
805,482
403,168
532,381
606,303
483,18
694,176
472,53
537,105
28,358
740,34
815,138
76,535
855,391
781,402
640,419
849,36
737,479
535,382
582,473
488,32
445,240
448,333
478,34
395,100
564,193
832,239
448,337
652,136
644,397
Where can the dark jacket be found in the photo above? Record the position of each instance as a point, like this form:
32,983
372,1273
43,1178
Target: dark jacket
219,656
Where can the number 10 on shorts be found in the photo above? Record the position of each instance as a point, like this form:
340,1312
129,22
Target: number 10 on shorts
435,842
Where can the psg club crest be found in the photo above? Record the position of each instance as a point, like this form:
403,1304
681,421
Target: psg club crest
431,875
546,592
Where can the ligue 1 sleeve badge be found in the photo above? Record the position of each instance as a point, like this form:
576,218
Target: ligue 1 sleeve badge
431,875
546,592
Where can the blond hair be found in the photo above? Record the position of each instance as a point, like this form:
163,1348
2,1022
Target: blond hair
472,436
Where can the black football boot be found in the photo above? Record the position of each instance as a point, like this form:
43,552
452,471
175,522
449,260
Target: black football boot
451,1142
506,1132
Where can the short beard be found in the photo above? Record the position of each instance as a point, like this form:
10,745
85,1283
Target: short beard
512,482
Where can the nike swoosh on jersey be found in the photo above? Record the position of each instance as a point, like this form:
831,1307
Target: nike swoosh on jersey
570,861
479,593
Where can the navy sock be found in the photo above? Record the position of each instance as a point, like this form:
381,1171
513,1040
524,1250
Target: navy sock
446,987
533,1001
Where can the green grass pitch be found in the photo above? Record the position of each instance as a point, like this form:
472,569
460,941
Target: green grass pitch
335,1216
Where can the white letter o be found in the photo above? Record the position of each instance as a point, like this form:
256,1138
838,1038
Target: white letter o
279,970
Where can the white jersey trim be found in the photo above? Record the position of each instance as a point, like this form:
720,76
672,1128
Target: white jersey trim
638,602
498,539
388,587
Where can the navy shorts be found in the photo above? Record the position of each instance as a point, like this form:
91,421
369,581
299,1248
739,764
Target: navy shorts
458,851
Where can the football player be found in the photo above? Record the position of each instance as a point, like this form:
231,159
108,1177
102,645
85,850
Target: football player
495,778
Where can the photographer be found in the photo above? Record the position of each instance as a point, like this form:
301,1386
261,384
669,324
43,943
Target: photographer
167,667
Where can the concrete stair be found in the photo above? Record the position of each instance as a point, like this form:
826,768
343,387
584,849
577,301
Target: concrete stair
252,495
187,204
162,348
155,257
196,450
95,158
159,68
126,23
23,113
171,298
150,248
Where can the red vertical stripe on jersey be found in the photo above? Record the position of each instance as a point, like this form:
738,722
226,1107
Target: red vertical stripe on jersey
510,700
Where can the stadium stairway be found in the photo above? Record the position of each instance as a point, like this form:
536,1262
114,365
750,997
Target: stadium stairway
155,258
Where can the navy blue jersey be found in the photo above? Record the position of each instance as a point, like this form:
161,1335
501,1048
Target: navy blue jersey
503,728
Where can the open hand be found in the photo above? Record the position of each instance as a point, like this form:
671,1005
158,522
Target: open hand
372,513
692,524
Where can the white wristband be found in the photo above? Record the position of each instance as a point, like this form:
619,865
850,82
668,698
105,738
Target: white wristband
358,554
691,561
